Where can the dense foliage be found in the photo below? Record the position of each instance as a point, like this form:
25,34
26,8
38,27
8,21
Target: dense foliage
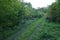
18,16
30,12
8,13
12,13
53,13
9,18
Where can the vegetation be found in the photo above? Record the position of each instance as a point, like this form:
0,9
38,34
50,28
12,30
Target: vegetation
28,23
8,16
25,35
53,13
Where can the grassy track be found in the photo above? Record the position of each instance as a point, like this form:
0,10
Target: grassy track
48,31
26,34
40,30
23,33
16,34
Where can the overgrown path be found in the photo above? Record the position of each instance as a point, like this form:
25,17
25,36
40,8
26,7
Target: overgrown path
33,35
26,33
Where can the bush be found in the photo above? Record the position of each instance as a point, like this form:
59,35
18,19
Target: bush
53,13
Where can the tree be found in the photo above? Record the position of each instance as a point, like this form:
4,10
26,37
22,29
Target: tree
53,13
9,13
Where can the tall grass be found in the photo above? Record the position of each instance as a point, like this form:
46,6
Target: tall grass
26,34
48,31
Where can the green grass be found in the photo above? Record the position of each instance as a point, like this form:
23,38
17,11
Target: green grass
19,29
25,35
48,31
52,29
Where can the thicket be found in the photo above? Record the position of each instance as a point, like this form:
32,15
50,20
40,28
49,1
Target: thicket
53,13
13,13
